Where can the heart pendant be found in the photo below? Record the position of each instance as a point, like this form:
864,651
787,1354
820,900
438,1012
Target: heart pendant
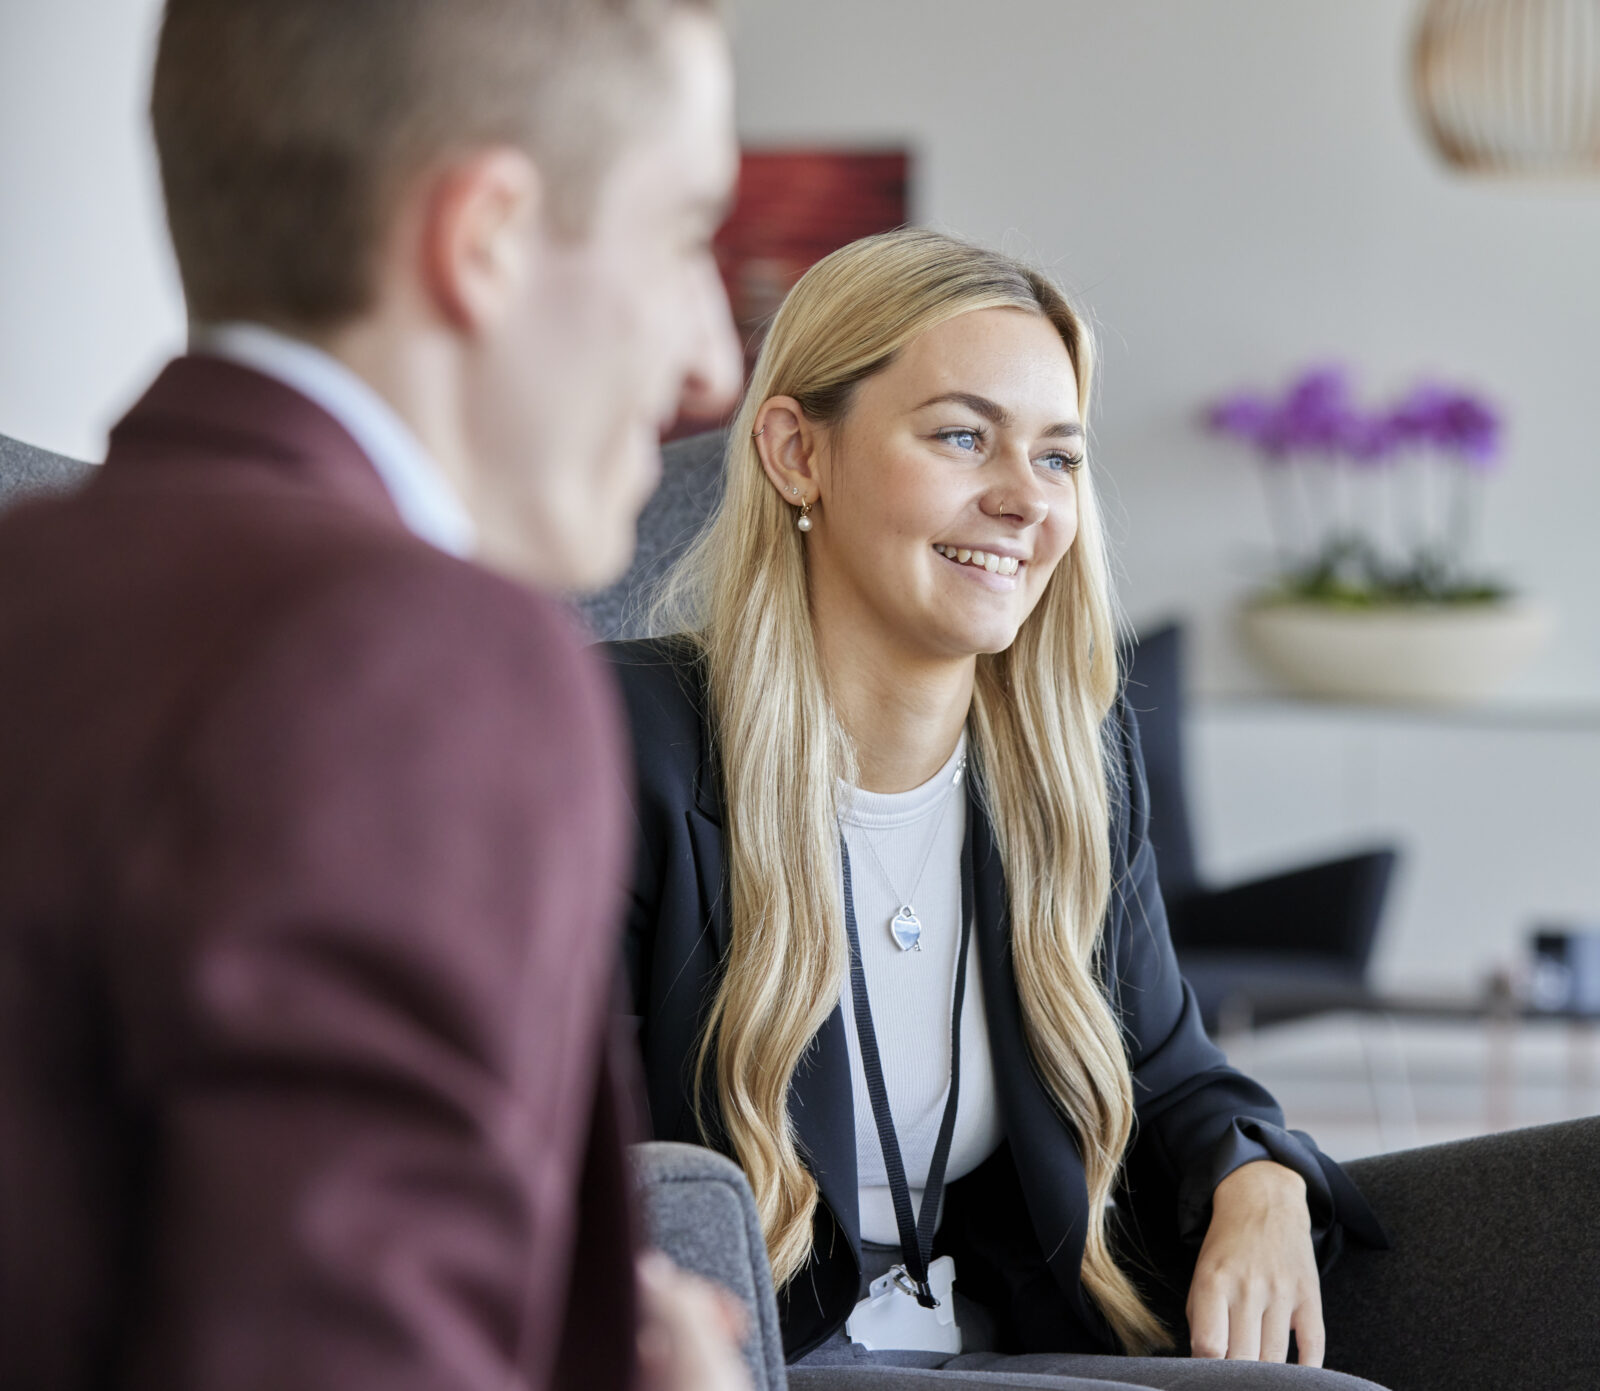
906,929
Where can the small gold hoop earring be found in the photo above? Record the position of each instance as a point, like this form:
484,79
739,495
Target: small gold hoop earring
804,524
757,434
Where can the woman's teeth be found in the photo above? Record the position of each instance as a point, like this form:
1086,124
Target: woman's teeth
984,560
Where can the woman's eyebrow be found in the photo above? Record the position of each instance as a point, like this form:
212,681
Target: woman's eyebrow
991,411
999,416
1066,430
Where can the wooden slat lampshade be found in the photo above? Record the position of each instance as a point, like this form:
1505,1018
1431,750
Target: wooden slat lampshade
1511,86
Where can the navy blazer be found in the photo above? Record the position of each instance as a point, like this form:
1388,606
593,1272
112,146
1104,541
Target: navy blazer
1015,1225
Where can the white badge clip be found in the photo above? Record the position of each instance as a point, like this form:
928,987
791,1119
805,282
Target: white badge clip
890,1317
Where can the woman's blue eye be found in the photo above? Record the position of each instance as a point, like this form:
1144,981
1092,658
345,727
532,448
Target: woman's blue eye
962,439
1062,463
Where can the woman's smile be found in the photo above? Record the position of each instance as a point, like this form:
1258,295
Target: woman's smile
988,568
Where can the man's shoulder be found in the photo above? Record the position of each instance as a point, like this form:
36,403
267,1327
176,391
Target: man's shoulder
383,606
412,676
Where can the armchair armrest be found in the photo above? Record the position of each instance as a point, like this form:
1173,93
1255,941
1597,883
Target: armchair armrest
698,1209
1494,1276
1329,909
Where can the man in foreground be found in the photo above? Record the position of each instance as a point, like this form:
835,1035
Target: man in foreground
310,809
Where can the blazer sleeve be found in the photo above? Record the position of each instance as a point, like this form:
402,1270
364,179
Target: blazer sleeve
1204,1117
371,1009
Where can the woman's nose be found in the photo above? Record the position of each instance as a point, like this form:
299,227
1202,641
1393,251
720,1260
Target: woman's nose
1019,495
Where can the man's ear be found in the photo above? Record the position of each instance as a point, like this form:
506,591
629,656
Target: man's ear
476,246
787,442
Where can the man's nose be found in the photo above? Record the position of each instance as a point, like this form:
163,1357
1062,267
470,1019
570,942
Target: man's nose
715,373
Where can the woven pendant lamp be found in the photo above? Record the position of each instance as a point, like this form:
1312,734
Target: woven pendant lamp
1511,86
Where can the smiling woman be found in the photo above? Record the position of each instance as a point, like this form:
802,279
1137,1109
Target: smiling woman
862,971
984,465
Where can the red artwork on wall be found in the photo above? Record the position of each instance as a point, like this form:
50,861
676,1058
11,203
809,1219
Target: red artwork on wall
793,208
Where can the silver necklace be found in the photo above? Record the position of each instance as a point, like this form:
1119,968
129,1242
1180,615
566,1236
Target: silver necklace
906,927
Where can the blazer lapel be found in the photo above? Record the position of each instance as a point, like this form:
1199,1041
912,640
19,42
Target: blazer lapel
1043,1146
822,1106
705,842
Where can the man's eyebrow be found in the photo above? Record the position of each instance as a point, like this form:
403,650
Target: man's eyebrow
998,415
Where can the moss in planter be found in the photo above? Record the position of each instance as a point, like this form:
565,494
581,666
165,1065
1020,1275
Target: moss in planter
1350,574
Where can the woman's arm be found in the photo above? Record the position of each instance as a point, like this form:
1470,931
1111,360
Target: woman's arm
1265,1199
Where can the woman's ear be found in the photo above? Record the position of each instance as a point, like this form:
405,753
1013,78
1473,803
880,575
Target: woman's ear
787,443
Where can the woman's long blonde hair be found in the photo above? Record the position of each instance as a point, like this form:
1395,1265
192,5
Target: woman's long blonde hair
1038,715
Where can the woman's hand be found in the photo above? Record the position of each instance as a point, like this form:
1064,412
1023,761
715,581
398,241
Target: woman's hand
1256,1278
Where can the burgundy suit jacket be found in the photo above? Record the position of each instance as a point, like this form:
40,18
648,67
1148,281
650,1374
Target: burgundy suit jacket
310,839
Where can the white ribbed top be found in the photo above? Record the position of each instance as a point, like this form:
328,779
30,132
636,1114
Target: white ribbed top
912,992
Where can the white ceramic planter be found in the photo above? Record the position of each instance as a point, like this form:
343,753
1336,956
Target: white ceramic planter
1409,654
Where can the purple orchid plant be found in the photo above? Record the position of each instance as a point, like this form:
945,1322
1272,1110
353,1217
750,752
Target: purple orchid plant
1369,504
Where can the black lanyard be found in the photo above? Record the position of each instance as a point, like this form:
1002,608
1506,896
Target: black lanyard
916,1232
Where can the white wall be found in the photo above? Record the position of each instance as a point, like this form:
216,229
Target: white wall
89,300
1495,818
1235,187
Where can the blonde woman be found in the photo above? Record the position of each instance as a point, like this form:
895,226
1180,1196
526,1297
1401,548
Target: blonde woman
896,943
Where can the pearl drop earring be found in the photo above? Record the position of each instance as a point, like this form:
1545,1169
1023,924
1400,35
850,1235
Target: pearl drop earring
804,524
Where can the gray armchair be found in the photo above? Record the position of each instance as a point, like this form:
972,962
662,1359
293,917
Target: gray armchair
25,470
691,486
1493,1281
699,1210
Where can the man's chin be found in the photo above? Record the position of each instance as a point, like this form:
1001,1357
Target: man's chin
584,539
600,572
566,571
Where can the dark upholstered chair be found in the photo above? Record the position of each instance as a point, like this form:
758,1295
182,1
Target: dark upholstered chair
1277,948
1492,1283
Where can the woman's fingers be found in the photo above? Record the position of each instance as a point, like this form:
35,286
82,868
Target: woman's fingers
1208,1320
1244,1329
1275,1331
1309,1335
1243,1321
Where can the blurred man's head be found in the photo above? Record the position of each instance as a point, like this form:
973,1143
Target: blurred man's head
498,210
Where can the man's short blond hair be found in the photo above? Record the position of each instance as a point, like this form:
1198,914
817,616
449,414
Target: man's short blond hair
287,130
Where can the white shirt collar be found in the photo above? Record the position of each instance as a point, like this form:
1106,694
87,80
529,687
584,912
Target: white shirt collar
422,495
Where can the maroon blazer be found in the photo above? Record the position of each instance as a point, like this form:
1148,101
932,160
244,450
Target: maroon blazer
309,845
